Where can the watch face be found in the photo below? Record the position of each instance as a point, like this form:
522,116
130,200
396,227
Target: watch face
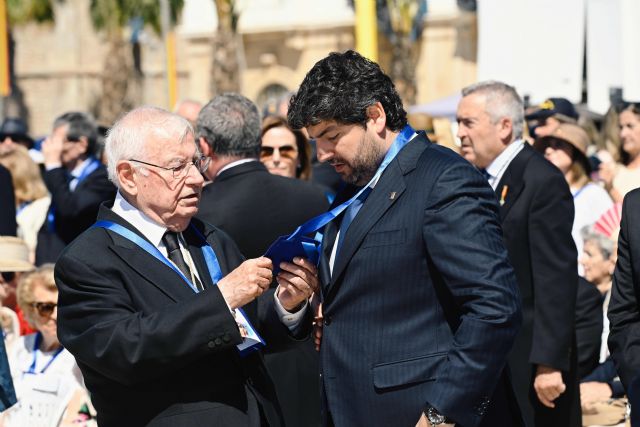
435,418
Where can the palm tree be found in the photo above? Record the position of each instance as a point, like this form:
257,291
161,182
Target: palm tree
225,64
112,16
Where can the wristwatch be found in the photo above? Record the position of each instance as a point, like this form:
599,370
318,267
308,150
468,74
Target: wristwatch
434,417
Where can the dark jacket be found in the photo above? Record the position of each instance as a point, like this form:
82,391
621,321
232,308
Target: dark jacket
537,216
422,305
153,352
255,207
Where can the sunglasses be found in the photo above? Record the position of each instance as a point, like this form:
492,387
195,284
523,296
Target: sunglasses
288,151
44,309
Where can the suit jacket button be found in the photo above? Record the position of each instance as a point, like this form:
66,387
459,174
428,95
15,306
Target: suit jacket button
327,321
211,344
226,338
218,341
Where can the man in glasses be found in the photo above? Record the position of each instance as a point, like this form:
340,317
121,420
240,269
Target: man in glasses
255,207
152,302
77,182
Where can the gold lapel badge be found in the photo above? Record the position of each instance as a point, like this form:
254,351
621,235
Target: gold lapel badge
503,196
392,195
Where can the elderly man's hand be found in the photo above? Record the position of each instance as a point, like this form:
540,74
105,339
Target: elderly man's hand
246,282
548,385
297,282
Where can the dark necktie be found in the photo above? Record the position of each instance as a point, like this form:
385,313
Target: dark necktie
170,240
484,173
349,214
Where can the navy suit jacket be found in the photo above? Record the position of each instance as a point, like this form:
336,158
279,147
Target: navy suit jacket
422,306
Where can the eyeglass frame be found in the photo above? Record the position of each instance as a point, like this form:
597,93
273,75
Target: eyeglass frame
205,161
39,307
284,151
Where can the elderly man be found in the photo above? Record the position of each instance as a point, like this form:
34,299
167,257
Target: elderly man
149,297
76,180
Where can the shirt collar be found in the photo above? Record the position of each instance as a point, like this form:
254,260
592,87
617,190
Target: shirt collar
501,162
236,163
77,171
145,225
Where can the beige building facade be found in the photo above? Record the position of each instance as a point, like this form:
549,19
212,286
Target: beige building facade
58,67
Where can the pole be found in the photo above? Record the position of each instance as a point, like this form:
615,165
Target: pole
367,29
168,35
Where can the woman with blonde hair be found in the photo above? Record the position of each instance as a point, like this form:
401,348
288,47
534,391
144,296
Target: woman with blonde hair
45,375
32,197
619,179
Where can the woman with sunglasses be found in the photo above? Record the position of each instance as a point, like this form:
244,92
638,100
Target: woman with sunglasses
45,375
619,179
566,148
285,151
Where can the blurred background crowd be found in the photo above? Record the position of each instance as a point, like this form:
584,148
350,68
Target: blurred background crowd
70,68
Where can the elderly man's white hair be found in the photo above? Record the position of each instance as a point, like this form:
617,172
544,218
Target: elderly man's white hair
126,139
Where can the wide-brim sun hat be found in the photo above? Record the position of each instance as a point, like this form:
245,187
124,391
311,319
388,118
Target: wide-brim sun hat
14,255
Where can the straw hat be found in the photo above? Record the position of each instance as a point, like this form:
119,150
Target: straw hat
14,255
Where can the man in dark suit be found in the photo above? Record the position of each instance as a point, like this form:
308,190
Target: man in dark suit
624,307
536,209
77,182
8,225
255,207
420,303
149,298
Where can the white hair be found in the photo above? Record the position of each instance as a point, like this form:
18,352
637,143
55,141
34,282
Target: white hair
501,100
128,137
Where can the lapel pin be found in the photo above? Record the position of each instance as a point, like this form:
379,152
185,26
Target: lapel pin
505,189
392,195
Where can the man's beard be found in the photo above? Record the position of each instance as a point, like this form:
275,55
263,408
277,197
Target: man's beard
366,161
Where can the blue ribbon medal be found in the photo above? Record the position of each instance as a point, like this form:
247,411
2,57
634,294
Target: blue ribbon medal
251,340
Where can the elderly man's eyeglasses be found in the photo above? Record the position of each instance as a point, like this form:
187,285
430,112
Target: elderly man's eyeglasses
180,171
44,309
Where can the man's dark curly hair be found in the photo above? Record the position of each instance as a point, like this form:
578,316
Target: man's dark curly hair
341,87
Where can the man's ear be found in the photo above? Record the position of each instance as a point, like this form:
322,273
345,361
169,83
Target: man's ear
505,129
205,148
84,143
377,117
126,176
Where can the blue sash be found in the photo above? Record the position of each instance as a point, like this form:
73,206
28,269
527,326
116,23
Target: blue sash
285,248
90,168
213,266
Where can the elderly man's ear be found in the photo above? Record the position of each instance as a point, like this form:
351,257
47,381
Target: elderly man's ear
125,173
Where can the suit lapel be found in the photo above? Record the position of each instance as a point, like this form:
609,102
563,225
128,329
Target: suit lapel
378,202
511,184
146,265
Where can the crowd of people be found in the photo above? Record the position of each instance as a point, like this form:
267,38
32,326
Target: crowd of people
495,286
